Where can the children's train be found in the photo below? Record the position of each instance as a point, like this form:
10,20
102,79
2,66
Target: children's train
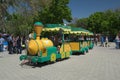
50,49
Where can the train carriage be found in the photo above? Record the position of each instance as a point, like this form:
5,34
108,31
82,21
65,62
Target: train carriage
81,42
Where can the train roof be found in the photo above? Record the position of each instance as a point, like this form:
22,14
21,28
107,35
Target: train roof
66,29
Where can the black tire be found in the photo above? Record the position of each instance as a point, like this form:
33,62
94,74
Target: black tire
83,53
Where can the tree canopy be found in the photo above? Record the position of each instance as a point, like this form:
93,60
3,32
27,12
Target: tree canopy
18,16
107,22
55,12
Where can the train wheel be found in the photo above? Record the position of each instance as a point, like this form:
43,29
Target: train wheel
62,55
67,54
53,57
83,53
87,50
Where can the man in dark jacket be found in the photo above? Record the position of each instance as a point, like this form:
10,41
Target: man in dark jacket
10,44
19,47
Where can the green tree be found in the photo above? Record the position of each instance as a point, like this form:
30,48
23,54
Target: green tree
82,23
107,22
4,4
55,12
94,22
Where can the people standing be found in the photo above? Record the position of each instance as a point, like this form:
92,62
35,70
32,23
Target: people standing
23,42
102,41
14,44
1,43
106,42
10,44
117,41
96,40
19,46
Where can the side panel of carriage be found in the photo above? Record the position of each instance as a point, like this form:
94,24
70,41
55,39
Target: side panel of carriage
81,46
77,47
51,54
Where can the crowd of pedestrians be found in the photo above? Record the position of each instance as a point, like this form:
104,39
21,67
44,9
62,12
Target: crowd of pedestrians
104,41
15,43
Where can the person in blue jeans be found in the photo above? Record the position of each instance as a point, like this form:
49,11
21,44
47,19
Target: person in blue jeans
117,41
1,43
102,41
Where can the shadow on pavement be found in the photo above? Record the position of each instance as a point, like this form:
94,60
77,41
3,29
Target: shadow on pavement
34,65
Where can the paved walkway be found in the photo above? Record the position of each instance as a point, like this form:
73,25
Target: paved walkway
101,63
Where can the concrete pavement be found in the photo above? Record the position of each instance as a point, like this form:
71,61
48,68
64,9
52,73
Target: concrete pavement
101,63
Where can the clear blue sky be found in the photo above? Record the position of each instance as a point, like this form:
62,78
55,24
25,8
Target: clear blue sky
84,8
